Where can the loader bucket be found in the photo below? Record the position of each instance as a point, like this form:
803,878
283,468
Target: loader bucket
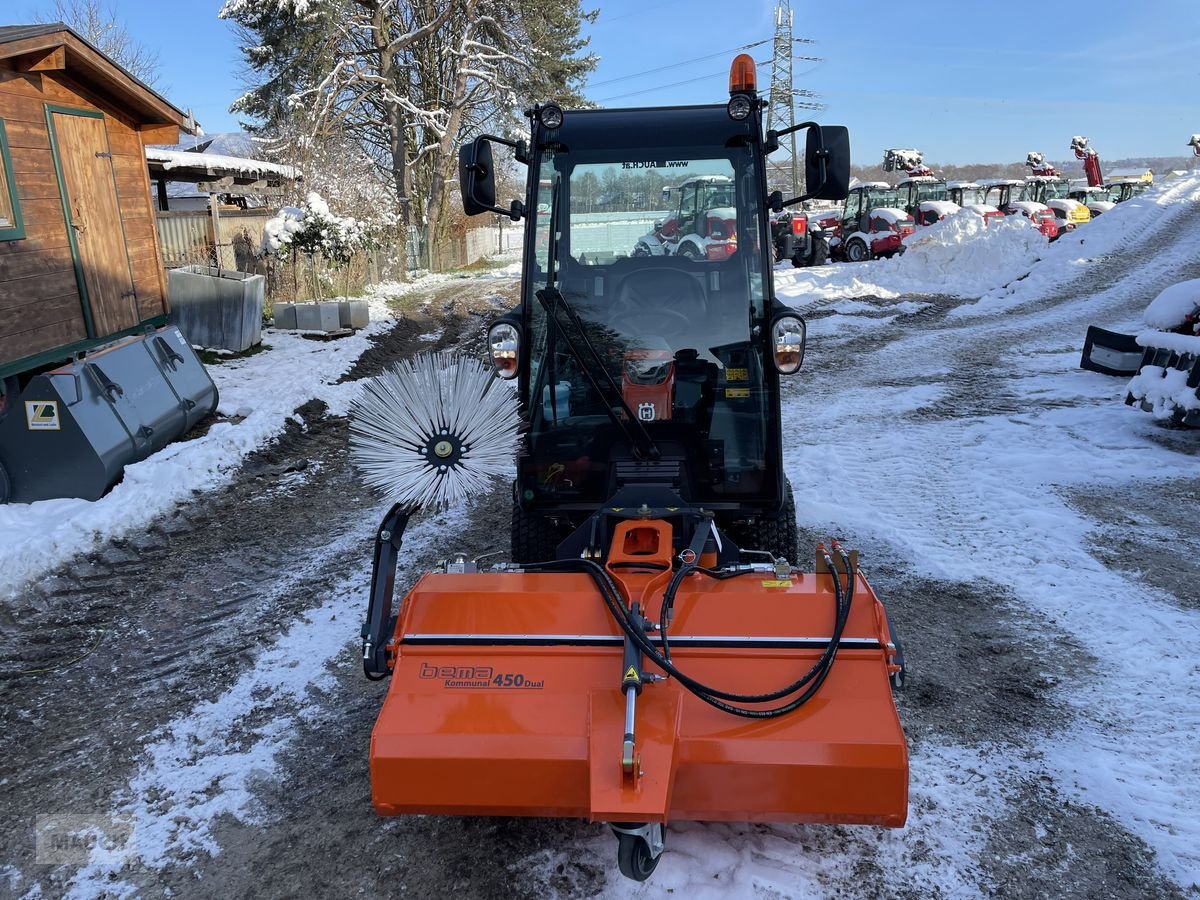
1168,385
1110,352
506,699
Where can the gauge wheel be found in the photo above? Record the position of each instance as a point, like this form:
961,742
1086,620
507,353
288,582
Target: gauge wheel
633,857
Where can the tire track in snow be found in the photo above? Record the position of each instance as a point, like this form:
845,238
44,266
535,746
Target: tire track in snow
957,464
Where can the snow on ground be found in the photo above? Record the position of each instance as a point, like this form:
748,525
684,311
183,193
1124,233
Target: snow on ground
265,388
204,764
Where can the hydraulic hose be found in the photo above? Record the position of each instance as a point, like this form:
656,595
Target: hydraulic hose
813,679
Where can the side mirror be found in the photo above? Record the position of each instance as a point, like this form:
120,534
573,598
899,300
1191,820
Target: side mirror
477,179
827,162
775,201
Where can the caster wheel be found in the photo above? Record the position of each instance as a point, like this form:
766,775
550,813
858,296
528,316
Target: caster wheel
635,857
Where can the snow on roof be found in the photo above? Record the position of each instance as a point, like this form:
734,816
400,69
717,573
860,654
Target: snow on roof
963,185
874,185
996,182
941,207
891,215
920,179
217,163
1170,308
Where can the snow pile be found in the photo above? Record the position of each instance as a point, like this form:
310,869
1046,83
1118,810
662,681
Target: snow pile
962,255
1159,211
1174,306
314,228
1166,391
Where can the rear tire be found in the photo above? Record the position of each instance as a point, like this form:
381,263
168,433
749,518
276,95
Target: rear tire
534,537
777,534
856,251
820,252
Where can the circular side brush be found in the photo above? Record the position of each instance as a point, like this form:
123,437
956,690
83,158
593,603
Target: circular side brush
434,430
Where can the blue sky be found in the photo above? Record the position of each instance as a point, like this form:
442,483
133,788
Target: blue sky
963,80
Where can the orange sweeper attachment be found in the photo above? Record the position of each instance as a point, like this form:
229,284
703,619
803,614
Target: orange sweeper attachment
648,652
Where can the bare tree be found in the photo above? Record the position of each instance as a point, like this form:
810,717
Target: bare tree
99,26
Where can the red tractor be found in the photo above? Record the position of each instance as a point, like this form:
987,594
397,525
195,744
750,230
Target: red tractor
704,225
1004,194
972,197
872,224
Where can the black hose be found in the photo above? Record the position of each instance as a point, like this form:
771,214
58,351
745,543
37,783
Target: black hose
814,678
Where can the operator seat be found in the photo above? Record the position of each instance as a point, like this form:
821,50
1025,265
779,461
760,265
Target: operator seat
657,285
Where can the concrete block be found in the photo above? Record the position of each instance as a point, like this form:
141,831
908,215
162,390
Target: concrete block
317,316
285,315
354,313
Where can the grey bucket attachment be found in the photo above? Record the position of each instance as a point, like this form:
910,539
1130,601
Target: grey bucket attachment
73,429
1110,352
217,308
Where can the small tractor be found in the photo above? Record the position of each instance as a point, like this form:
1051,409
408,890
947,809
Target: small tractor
702,226
650,652
922,194
800,238
872,224
1046,185
1004,194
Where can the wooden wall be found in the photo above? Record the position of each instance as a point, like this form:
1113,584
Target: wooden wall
40,306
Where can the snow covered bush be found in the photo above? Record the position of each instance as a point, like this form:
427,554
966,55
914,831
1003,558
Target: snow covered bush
314,229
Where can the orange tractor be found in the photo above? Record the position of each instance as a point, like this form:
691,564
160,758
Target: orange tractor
651,652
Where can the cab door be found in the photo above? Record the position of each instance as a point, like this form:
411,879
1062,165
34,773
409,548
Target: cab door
79,143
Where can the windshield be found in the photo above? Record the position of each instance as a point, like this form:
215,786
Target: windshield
1042,190
931,191
973,197
660,259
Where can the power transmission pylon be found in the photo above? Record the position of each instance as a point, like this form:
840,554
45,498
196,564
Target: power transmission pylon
785,167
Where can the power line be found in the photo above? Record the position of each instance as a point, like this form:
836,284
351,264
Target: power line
678,64
660,87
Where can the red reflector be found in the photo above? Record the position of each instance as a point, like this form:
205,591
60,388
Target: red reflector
799,224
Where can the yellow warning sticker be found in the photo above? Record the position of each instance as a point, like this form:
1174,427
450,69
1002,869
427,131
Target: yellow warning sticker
631,672
737,374
42,415
737,393
784,583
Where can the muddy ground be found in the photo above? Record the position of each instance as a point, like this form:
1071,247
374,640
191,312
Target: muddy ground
97,656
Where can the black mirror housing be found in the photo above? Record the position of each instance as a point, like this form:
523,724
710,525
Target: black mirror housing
827,162
477,177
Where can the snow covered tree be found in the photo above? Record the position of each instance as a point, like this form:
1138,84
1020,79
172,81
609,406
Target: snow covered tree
407,79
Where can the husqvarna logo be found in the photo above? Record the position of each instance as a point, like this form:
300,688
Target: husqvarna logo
647,412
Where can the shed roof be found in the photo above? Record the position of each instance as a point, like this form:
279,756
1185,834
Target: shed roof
38,43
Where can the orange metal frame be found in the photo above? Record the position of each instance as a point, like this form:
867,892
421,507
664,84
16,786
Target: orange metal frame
505,699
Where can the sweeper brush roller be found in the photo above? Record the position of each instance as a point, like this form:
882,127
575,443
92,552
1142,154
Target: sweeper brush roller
434,430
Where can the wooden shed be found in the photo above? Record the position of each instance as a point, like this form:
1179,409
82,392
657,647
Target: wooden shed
80,262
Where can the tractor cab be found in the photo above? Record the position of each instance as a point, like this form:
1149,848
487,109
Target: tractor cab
873,223
972,197
647,350
1005,195
1096,198
1120,191
925,198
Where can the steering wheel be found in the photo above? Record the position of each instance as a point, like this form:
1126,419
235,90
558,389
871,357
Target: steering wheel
661,321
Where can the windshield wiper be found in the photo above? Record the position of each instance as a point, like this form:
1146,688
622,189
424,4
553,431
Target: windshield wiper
590,364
